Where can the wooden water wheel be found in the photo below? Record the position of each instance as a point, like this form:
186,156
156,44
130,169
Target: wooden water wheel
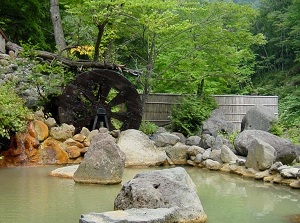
104,90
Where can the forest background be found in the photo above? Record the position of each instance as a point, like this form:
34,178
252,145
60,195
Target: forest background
176,46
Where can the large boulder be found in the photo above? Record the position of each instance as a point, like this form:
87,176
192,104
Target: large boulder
103,163
286,152
212,164
261,155
53,152
62,132
227,155
165,139
177,153
168,188
258,118
139,149
217,124
41,129
23,149
193,140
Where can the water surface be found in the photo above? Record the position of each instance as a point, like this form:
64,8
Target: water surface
29,195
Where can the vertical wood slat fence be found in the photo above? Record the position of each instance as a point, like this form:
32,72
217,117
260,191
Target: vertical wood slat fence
158,107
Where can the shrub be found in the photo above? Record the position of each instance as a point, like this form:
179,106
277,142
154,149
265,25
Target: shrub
47,78
188,115
13,113
148,127
276,129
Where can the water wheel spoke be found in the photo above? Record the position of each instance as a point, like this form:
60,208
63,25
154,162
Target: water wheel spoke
121,116
103,92
88,95
117,100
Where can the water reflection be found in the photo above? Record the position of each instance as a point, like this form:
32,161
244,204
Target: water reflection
29,195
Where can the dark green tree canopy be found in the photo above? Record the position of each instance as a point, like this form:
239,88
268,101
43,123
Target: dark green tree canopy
27,20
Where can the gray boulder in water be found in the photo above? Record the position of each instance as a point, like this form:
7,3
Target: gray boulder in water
103,163
168,188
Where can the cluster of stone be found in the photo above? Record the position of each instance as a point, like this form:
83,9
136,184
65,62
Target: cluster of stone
17,69
46,143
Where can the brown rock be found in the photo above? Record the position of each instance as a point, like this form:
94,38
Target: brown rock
229,168
241,170
72,142
41,129
77,160
295,185
86,143
280,180
83,150
73,152
52,152
79,138
22,149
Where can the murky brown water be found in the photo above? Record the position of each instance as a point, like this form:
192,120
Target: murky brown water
29,195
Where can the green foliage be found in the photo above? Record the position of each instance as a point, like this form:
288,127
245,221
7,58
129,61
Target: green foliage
289,108
148,127
96,24
279,21
231,137
13,113
187,117
23,20
48,78
29,50
276,129
293,133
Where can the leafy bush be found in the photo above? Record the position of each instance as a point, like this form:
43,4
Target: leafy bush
293,134
188,115
276,129
13,113
289,110
48,78
148,127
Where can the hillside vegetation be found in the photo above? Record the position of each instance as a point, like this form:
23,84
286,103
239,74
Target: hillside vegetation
182,47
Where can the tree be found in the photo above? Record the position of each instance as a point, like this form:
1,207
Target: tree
197,44
27,20
98,17
277,53
57,26
291,19
189,42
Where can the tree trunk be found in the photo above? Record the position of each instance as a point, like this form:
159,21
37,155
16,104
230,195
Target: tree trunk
57,27
101,29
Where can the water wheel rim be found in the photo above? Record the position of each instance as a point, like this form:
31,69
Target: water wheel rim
90,90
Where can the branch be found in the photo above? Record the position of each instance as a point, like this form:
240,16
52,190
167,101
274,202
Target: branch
73,64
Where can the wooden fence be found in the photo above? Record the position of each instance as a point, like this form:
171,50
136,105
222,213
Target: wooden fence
158,107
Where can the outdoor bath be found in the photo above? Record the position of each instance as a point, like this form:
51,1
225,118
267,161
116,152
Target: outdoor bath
29,194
